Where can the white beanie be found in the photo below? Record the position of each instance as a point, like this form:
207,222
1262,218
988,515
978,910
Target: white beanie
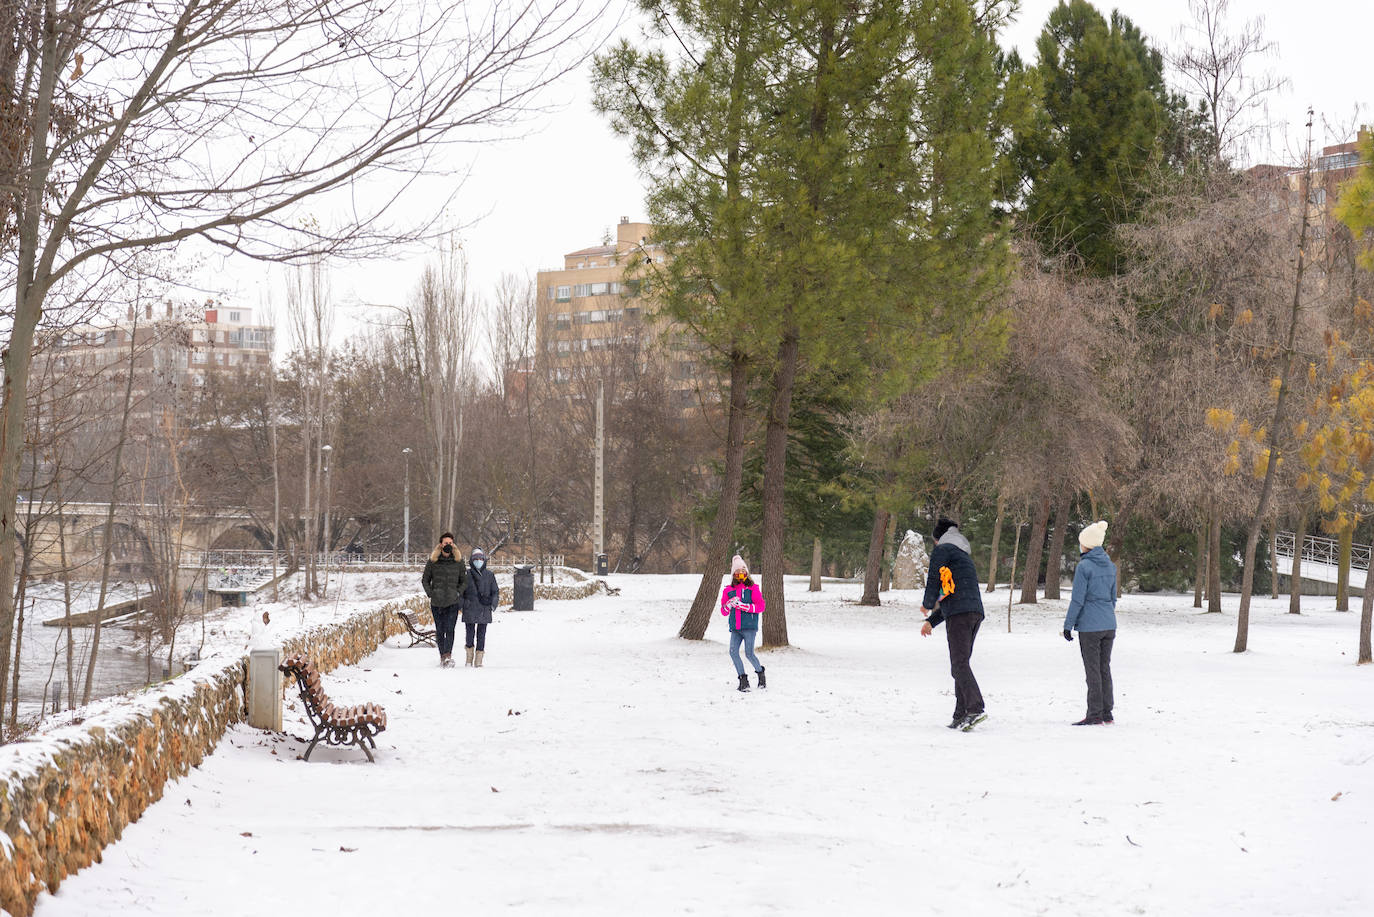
1092,536
737,564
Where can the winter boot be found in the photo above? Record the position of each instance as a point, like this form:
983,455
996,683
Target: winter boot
477,658
469,651
743,683
446,660
763,682
1107,718
1090,721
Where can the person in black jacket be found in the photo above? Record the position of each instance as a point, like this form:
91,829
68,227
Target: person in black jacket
952,596
444,580
479,600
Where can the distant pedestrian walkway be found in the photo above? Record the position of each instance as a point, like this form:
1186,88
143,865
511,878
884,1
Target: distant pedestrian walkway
1321,558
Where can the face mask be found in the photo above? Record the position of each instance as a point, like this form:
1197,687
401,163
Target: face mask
479,563
741,577
448,549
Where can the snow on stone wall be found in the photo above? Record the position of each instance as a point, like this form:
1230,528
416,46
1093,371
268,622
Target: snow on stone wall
912,563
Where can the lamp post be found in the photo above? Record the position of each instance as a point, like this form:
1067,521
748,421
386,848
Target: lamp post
406,555
328,467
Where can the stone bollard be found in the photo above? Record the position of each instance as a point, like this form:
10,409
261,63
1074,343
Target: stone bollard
264,688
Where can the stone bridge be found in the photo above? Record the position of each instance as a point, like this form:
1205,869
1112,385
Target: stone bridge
72,537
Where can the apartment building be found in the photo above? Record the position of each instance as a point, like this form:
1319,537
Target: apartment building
588,306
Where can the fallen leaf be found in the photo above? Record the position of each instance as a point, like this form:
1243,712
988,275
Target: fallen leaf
188,802
347,849
245,834
1333,798
495,790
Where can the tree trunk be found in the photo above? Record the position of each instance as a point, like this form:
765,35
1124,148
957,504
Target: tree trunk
1276,421
774,472
1200,578
1214,561
723,527
1011,577
1295,576
1274,560
996,542
815,567
1034,549
1347,537
107,541
1366,617
872,569
889,554
1056,558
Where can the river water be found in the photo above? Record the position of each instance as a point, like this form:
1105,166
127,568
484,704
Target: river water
123,663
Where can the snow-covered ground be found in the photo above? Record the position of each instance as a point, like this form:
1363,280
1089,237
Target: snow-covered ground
598,765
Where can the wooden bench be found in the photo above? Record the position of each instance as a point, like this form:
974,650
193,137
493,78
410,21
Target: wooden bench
418,633
336,725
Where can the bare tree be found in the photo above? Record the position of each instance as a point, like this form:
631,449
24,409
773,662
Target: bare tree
1214,65
217,119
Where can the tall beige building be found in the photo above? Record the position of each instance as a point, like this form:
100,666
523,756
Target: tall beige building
588,306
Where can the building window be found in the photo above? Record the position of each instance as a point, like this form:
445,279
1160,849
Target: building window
198,356
564,292
234,316
565,346
562,321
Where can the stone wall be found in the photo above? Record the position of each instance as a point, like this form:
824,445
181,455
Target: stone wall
67,792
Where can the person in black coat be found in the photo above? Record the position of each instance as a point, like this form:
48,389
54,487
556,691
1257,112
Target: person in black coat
444,580
480,597
952,596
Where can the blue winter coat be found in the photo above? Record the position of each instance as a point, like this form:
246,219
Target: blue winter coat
480,595
952,580
1092,607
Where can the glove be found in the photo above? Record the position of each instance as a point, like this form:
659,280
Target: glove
1068,635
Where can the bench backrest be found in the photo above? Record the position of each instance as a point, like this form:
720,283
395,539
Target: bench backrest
312,688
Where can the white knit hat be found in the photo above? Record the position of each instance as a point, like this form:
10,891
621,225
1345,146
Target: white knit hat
737,564
1093,535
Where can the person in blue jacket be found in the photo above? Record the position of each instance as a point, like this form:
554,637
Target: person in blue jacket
1092,612
952,596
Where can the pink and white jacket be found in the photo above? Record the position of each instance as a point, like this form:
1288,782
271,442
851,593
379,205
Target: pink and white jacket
743,603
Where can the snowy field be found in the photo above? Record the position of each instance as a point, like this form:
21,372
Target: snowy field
598,765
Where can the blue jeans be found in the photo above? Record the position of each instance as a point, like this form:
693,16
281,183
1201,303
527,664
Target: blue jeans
745,638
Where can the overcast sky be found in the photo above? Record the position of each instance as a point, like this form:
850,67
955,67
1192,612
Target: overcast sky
568,180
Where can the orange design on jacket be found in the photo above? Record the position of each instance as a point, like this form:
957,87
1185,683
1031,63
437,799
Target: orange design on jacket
946,582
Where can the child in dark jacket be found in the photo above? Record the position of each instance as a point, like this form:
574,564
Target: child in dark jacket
952,596
742,603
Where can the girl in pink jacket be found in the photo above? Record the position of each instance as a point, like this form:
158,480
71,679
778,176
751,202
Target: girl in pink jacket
742,602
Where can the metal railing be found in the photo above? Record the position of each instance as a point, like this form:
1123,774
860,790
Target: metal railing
1317,549
222,560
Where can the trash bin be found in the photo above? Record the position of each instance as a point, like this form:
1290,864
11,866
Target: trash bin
603,565
264,688
522,596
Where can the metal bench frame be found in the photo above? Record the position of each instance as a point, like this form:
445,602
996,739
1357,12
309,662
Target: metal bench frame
417,634
356,728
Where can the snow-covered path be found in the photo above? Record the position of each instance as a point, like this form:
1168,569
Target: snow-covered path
598,765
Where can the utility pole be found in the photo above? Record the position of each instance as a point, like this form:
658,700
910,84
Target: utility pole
599,486
405,556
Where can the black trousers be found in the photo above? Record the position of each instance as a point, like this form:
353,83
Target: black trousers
1096,647
445,623
962,630
480,632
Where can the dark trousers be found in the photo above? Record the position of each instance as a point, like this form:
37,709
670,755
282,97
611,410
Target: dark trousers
962,629
1096,647
445,623
480,632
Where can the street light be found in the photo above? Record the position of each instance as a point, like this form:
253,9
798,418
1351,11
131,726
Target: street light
406,556
326,449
